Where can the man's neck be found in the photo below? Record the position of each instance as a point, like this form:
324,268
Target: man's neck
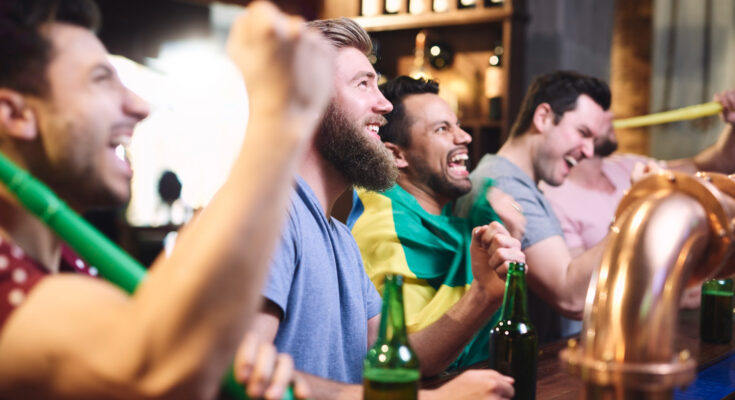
520,151
427,199
325,181
29,233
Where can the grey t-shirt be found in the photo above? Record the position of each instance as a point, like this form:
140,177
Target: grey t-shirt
541,222
318,280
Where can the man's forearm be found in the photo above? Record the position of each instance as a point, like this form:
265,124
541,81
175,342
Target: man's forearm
439,344
578,278
222,271
718,157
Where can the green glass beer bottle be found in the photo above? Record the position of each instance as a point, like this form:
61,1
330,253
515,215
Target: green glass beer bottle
391,368
513,340
715,320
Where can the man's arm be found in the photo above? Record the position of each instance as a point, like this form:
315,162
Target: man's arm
719,156
558,278
439,344
76,337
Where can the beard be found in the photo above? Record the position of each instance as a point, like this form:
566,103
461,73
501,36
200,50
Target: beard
439,182
605,147
363,161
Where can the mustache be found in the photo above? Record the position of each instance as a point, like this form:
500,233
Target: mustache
379,119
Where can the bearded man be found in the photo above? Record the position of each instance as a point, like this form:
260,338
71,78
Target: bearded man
320,306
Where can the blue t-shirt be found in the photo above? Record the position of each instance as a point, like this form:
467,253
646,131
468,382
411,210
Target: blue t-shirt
318,281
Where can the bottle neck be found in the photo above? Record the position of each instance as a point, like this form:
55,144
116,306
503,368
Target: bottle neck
392,321
514,299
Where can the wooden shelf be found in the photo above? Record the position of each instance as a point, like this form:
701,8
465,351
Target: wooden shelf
480,123
450,18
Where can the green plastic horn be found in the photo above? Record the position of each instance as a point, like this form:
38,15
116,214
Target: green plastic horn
113,264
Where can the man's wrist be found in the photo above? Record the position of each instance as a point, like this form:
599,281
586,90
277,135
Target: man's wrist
487,297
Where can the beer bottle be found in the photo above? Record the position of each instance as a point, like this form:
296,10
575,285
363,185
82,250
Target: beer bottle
715,321
391,368
513,340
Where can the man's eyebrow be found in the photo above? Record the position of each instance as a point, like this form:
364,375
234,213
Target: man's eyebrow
363,74
441,122
585,130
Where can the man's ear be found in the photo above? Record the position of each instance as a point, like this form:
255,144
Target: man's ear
543,117
398,155
17,119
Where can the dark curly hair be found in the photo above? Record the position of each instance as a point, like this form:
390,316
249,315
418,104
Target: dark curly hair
25,52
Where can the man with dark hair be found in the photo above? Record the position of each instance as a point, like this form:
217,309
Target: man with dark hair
409,230
603,179
561,114
320,306
63,111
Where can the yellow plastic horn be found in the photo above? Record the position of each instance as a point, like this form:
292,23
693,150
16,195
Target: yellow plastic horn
681,114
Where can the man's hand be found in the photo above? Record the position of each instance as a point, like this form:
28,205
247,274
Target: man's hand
509,211
727,99
264,372
286,67
475,384
492,251
641,170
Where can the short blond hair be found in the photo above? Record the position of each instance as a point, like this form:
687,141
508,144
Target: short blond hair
344,32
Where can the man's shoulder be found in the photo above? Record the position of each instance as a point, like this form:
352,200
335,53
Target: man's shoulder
504,172
626,160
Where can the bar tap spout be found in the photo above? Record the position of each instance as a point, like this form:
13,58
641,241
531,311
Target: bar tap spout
671,231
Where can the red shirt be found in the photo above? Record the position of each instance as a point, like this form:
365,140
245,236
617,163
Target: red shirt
19,274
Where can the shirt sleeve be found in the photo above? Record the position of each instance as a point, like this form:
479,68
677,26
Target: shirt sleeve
540,220
283,266
373,299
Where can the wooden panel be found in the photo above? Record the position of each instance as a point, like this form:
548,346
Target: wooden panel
630,69
514,36
428,20
340,8
309,9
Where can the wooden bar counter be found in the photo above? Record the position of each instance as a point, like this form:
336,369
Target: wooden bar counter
554,383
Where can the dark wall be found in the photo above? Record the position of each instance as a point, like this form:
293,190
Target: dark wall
569,34
136,28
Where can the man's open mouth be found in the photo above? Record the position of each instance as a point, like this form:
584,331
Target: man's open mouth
457,163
